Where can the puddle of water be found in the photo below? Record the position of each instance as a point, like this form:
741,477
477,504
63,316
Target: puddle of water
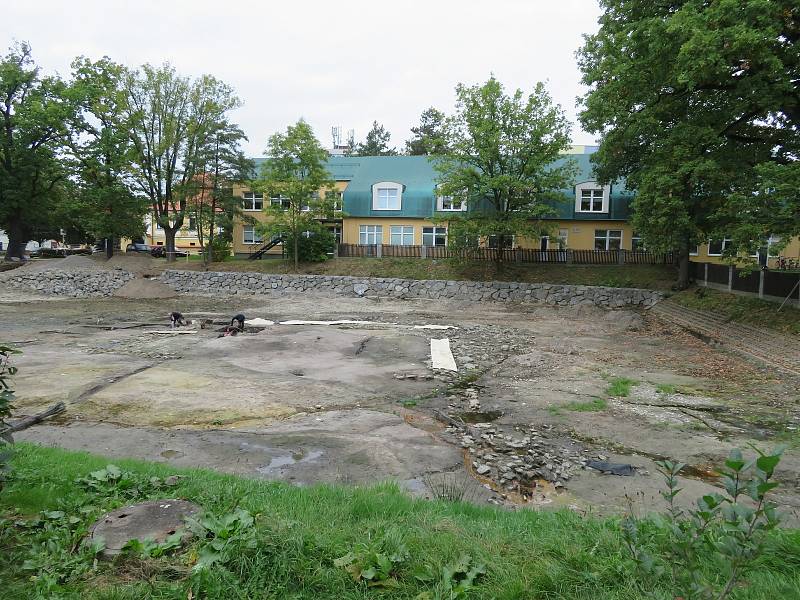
480,417
172,454
284,460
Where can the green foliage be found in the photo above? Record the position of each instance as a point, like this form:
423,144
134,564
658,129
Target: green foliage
34,112
620,387
102,199
594,405
376,142
429,137
666,388
697,106
725,532
220,537
177,126
113,481
314,247
500,162
454,581
220,249
149,548
375,562
296,171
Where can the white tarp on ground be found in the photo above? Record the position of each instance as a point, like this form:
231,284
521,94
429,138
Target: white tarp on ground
441,355
435,327
259,322
342,322
172,331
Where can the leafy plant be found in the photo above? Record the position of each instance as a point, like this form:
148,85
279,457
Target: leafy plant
454,580
666,388
593,405
620,387
112,480
374,563
221,536
710,548
152,549
7,370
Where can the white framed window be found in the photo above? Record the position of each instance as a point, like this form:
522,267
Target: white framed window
607,239
450,204
387,195
337,233
249,235
771,245
401,235
252,201
280,202
717,247
563,238
591,197
637,245
370,234
434,236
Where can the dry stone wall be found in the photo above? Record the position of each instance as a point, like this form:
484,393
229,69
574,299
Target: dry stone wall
502,291
75,283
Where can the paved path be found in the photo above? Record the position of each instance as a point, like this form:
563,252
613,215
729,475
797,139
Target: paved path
774,349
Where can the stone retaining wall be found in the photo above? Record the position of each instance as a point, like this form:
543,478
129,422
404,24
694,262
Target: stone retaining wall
502,291
78,283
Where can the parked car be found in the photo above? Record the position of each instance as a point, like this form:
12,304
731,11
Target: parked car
146,248
161,252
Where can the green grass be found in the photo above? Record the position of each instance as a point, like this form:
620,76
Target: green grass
301,531
666,388
657,277
742,309
594,405
620,387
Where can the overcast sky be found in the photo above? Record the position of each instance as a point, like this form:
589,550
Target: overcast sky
345,62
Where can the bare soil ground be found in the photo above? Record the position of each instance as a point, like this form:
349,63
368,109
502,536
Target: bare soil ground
535,399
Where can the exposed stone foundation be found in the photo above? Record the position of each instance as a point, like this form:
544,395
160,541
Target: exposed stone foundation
77,283
502,291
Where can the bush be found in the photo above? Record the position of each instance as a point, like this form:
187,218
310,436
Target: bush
314,248
220,250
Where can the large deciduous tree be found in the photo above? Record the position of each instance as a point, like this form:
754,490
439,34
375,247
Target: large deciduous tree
34,112
698,106
173,121
376,142
212,204
502,161
429,136
104,202
295,174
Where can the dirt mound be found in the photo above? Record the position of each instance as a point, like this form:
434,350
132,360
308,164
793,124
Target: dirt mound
76,262
142,288
141,264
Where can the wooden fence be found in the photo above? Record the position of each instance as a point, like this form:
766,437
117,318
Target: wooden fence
521,255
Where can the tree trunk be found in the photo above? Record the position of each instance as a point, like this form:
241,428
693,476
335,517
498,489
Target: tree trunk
17,240
169,243
296,252
683,268
109,247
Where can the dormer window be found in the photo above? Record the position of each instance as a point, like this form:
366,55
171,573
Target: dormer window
590,197
387,195
451,204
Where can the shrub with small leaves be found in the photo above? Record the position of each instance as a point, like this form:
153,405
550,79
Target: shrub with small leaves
709,548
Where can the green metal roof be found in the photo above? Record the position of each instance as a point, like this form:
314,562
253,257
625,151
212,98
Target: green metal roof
418,177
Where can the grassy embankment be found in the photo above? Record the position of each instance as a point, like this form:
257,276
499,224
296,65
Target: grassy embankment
742,309
299,533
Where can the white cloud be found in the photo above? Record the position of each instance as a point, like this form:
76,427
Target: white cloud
335,63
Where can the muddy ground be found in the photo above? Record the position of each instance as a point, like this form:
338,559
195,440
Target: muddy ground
358,403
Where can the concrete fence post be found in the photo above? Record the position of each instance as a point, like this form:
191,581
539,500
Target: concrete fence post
423,252
379,250
621,256
336,250
730,278
570,257
705,275
761,276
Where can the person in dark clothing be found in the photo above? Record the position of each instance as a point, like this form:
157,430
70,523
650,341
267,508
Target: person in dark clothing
239,320
176,319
